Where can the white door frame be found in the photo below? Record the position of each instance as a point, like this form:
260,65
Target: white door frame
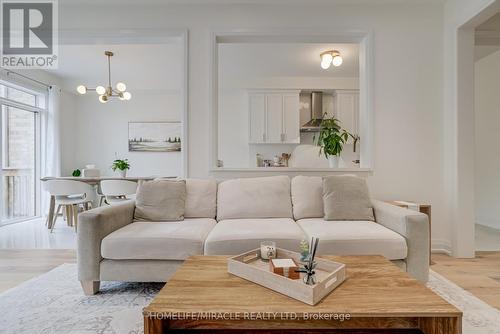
459,121
293,35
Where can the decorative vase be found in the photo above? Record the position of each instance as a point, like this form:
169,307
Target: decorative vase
333,161
123,173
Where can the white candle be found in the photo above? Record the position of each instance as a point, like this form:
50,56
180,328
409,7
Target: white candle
267,250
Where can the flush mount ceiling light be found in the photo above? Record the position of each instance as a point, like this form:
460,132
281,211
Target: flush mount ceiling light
105,93
331,57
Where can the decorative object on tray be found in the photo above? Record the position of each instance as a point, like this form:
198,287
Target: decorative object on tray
154,136
267,250
310,265
304,251
250,266
285,267
76,173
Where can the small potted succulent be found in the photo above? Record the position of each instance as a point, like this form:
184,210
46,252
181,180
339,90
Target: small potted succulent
122,166
331,139
304,251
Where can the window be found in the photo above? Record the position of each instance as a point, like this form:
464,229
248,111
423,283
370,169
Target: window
18,95
20,110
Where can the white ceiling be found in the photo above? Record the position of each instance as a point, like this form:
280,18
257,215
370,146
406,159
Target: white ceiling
140,66
285,60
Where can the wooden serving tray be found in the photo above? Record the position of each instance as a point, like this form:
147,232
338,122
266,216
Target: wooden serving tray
250,266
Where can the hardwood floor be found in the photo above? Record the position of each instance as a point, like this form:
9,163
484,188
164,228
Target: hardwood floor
480,276
19,265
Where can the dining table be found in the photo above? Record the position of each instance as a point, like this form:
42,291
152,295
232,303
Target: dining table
95,181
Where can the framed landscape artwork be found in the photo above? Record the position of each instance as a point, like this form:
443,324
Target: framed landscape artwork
154,136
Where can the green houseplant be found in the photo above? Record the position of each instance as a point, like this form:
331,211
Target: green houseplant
331,139
121,165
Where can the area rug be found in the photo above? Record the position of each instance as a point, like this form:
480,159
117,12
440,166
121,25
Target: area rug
54,303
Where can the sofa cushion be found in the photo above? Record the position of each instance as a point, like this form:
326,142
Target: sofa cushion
201,198
262,197
160,200
355,238
236,236
346,197
307,197
157,240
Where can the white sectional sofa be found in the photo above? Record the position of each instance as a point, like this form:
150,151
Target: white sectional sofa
235,216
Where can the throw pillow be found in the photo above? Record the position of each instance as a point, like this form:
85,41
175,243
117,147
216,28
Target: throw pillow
160,200
346,197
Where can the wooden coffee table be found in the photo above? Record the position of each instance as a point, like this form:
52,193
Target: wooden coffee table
377,297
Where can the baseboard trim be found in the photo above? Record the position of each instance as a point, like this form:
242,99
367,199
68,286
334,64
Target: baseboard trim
491,224
441,246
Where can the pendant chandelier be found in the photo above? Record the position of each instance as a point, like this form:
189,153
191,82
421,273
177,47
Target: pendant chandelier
105,93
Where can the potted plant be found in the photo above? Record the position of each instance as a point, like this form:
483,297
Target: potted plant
121,166
331,139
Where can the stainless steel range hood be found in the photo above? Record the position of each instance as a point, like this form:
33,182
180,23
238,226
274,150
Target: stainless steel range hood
316,113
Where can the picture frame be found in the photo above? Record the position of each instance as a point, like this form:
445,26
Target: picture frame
155,136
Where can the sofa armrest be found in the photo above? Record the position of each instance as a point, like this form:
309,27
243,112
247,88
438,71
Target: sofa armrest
93,226
414,227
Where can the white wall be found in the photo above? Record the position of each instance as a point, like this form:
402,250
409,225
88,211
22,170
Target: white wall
100,132
487,158
408,84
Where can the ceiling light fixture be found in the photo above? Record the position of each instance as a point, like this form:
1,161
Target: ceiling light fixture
105,93
331,57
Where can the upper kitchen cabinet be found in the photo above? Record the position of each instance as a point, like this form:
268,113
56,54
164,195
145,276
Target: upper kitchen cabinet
347,110
257,118
274,117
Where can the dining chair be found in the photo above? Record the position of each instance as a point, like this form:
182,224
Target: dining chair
117,191
69,195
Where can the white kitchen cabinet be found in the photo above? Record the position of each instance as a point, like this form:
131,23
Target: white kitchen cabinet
257,105
274,126
274,117
347,110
